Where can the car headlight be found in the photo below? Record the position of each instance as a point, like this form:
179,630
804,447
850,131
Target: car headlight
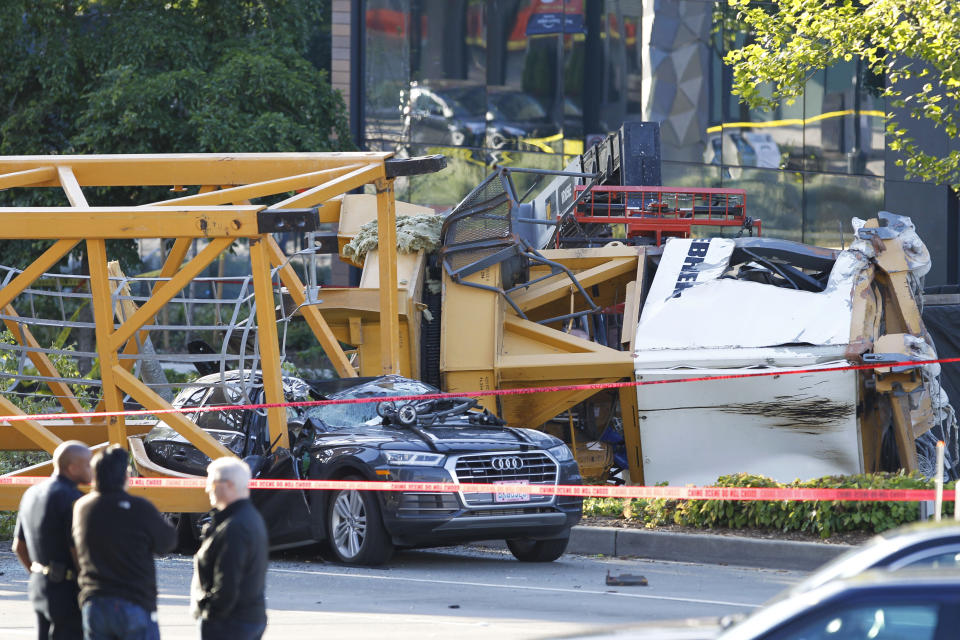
561,452
414,458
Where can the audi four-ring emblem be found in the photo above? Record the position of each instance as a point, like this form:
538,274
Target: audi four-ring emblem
507,463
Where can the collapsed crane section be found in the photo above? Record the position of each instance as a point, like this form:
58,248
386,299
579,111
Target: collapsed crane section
291,192
607,257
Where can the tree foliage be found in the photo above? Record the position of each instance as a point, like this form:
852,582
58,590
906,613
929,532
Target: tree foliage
153,76
902,41
160,76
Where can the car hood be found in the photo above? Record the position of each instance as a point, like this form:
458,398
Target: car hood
441,438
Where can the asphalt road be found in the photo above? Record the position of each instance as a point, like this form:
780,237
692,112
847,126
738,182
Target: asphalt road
461,592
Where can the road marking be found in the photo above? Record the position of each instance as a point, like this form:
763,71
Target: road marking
640,596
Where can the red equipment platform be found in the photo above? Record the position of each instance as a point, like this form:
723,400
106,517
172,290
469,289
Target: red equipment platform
662,212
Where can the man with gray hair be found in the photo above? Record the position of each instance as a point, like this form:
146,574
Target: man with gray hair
230,568
44,546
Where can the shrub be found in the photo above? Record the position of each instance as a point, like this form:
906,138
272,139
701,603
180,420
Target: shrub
822,517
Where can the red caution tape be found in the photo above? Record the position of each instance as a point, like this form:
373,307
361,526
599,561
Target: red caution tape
467,394
585,491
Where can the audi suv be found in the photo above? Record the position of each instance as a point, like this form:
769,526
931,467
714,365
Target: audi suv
449,440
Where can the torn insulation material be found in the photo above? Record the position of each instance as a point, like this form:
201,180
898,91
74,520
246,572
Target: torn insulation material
414,233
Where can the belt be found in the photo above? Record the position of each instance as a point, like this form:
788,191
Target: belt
56,572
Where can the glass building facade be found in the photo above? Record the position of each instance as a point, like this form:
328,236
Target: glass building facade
530,82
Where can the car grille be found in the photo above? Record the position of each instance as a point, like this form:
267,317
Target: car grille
483,468
427,504
516,511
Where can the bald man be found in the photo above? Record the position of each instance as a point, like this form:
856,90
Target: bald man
42,540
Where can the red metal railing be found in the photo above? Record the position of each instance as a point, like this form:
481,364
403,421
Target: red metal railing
660,212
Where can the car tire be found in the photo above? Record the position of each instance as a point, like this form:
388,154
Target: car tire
355,527
527,550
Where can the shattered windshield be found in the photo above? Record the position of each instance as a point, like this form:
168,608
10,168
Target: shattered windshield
340,416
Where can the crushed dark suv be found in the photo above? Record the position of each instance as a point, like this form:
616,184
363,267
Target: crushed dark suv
448,440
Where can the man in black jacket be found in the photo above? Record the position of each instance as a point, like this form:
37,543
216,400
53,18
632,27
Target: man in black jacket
230,569
42,543
116,536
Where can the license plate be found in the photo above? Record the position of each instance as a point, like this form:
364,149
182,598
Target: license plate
504,494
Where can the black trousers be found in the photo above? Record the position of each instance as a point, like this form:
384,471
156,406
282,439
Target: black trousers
58,611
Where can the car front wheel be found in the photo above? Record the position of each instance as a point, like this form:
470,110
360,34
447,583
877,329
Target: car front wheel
357,534
527,550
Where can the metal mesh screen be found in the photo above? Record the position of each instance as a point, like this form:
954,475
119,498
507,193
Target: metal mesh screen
489,221
56,311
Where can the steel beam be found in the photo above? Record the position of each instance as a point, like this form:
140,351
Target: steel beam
71,187
268,340
178,421
630,421
45,367
137,170
106,350
54,223
36,269
317,323
90,433
28,177
166,499
533,410
387,251
337,186
259,189
165,292
40,435
558,286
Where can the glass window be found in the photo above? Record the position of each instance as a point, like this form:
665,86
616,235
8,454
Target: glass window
631,15
222,394
941,560
830,201
523,181
517,106
870,622
386,71
690,174
773,197
466,168
746,137
447,97
843,121
525,101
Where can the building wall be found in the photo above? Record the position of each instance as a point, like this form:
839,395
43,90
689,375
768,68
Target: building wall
933,208
529,82
340,55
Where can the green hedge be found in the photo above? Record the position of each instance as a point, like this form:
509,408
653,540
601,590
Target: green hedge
821,517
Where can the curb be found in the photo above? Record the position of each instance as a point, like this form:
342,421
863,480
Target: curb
698,548
703,548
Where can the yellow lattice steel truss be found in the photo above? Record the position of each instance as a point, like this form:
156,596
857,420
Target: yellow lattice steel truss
218,210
